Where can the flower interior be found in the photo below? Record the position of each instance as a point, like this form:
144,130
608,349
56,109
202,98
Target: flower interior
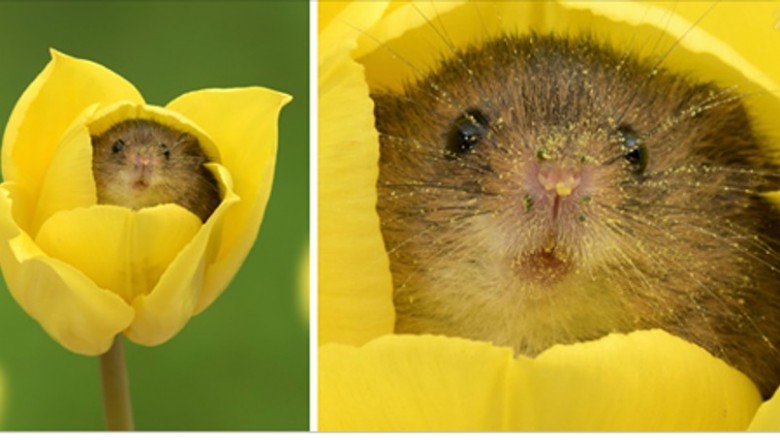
139,163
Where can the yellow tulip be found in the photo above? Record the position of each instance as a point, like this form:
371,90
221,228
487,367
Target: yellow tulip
86,271
371,379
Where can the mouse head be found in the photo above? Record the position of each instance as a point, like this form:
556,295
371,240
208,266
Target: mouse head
547,157
137,162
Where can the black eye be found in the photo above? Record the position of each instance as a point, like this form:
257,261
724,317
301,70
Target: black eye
634,149
466,132
166,151
118,146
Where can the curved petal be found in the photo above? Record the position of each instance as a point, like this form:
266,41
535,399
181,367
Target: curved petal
69,182
396,383
243,124
326,11
403,16
119,249
64,88
355,300
165,310
69,306
647,380
768,415
759,22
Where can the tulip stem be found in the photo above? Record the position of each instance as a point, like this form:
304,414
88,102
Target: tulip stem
116,392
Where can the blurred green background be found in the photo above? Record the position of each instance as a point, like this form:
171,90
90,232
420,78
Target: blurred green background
243,363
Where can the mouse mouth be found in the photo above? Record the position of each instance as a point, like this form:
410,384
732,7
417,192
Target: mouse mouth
544,267
140,185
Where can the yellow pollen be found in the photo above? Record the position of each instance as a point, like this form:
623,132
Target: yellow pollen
565,188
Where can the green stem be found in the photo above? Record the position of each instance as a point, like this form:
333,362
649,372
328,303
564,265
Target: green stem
116,392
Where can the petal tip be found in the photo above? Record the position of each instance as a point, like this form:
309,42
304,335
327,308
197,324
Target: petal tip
57,55
284,98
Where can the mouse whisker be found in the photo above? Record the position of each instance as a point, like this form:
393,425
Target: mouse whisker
662,58
731,242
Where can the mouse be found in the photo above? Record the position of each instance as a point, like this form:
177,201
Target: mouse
544,189
139,163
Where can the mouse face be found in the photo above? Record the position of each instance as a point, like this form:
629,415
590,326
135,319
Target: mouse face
140,163
542,190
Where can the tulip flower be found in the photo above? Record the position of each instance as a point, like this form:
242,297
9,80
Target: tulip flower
88,272
372,379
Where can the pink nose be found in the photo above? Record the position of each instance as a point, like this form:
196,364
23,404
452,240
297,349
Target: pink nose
558,178
142,161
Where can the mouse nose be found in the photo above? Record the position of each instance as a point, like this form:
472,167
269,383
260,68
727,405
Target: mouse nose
559,178
142,160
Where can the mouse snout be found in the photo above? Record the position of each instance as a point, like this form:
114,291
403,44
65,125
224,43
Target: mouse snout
142,164
143,161
558,178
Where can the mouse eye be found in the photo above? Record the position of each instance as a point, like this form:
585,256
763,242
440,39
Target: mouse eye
118,146
634,149
166,152
466,132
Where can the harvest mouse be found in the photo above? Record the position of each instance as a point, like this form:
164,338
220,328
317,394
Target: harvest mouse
536,190
139,163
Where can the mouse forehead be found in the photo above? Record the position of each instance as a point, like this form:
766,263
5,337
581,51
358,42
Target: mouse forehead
551,81
171,128
141,132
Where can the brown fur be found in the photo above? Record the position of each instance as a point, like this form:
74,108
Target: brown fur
180,178
688,245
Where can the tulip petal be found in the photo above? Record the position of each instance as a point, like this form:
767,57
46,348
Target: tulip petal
69,306
121,250
647,380
64,88
413,383
69,182
169,306
355,300
243,125
326,11
768,415
401,17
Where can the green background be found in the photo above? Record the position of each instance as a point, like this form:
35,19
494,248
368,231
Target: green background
243,363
